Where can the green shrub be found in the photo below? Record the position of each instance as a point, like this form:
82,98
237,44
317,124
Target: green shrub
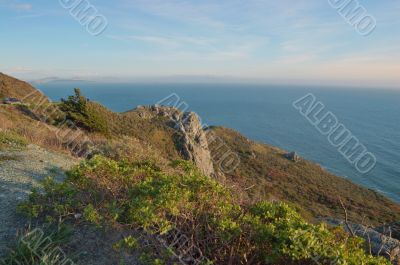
58,201
140,195
91,214
128,243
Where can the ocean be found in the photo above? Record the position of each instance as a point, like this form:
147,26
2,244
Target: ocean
265,113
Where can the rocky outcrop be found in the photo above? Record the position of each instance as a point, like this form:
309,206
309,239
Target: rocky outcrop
193,144
379,244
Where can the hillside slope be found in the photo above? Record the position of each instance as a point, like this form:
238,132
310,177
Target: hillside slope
14,88
264,173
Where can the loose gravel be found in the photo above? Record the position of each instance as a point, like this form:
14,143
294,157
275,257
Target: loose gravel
20,171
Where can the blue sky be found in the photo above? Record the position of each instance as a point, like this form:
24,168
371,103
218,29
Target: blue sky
254,40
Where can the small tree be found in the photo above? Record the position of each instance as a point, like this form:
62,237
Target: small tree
75,104
78,109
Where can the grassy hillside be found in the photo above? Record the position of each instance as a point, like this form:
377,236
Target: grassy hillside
267,174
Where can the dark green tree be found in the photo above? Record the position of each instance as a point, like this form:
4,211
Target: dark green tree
74,104
79,110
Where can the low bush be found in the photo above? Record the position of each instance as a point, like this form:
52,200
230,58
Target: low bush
211,226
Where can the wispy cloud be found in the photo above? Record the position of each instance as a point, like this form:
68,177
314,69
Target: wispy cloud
22,7
29,16
198,48
16,5
171,42
184,11
297,59
255,39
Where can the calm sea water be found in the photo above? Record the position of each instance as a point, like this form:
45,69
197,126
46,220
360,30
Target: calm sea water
265,114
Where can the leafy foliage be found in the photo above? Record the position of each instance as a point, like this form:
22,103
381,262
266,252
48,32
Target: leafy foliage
128,242
140,195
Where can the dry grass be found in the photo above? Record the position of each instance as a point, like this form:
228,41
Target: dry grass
35,132
8,158
5,123
264,173
11,87
78,142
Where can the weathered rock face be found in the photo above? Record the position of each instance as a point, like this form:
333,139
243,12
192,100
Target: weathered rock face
380,244
392,230
193,143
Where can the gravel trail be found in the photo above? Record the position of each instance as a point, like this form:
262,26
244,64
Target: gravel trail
20,171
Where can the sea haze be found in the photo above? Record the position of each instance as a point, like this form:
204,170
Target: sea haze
265,113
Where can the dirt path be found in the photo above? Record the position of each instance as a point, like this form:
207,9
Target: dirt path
20,171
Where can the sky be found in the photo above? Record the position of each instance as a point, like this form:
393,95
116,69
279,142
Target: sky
302,41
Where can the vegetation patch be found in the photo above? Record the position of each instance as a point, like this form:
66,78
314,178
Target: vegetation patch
216,229
79,111
40,246
84,113
10,139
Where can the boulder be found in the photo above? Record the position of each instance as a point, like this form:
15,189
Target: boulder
293,156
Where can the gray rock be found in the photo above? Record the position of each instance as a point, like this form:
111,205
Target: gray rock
293,156
392,230
380,244
193,140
